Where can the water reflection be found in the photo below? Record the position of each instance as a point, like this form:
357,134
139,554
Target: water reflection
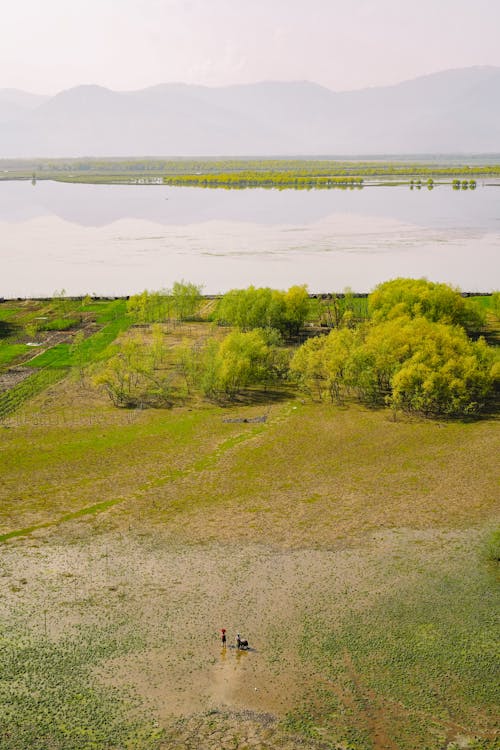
120,239
100,205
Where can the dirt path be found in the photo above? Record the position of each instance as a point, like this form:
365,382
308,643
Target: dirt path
100,507
89,510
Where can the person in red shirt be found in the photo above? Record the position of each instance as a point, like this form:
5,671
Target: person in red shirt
223,636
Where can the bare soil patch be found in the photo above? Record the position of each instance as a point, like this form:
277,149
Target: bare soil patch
174,599
13,376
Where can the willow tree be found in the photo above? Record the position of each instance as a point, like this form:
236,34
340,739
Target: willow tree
410,364
186,298
240,360
419,297
264,308
132,378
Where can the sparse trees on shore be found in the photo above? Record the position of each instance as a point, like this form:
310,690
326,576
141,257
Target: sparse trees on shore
413,353
179,303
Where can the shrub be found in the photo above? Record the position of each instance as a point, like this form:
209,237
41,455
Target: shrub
439,303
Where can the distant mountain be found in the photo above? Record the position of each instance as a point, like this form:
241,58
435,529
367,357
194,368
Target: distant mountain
452,111
15,103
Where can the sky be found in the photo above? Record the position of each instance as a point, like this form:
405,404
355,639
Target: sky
50,45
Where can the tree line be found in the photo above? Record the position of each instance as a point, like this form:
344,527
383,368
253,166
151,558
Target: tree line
86,168
415,348
179,303
262,179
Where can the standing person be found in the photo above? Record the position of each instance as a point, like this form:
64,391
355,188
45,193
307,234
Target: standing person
238,641
223,637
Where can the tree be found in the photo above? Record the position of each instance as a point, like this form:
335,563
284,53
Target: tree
446,374
322,365
60,302
186,298
120,376
296,309
417,365
189,364
495,304
158,350
419,297
150,307
264,308
241,359
131,379
412,364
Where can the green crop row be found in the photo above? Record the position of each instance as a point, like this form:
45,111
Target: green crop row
55,363
9,352
55,357
12,399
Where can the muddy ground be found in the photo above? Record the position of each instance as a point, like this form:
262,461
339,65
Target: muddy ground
174,599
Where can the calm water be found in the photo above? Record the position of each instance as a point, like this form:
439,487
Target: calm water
108,239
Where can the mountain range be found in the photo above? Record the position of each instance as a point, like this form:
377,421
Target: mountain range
454,111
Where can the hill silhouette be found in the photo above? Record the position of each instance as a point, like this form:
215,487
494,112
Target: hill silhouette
447,112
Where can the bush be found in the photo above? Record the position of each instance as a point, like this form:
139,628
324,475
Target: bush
264,308
410,364
240,360
439,303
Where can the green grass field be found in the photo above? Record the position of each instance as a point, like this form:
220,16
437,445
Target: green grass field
25,323
349,548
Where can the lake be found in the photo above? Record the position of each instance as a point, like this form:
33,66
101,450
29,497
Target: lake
117,240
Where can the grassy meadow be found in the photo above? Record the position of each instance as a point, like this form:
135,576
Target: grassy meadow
349,547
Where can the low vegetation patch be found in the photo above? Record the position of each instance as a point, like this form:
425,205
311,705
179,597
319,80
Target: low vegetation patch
49,697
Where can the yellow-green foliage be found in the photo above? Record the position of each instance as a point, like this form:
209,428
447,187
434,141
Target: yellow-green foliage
263,179
321,364
149,307
134,376
419,297
239,360
88,169
495,304
180,302
265,308
442,372
409,363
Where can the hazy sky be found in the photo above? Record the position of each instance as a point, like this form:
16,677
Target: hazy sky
49,45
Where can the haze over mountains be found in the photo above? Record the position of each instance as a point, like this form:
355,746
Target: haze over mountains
448,112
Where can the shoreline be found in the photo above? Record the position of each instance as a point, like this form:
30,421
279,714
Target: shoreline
112,297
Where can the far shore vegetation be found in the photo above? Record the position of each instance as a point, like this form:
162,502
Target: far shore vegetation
284,173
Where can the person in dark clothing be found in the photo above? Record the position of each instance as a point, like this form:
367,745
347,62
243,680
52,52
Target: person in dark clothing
241,643
223,636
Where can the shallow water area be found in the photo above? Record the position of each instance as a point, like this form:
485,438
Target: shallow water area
120,239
